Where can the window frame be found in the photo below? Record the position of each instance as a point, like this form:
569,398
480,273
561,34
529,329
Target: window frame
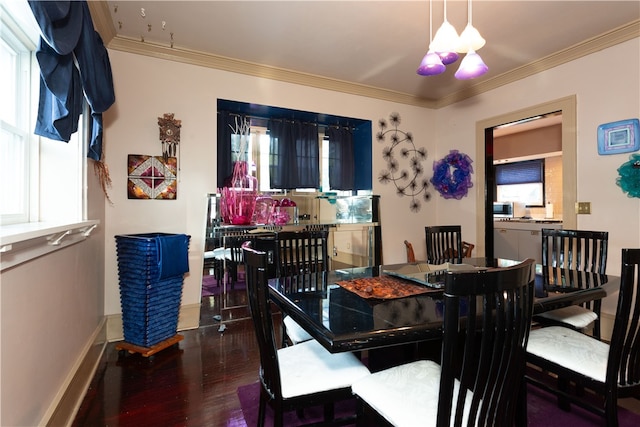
527,179
55,209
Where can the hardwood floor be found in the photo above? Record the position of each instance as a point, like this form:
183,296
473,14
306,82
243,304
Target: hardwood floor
193,383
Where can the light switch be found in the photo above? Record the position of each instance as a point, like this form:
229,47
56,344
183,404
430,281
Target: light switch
583,208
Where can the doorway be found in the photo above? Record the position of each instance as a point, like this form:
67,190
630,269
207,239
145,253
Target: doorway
485,186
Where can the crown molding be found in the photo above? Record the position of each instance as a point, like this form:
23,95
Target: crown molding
233,65
104,26
587,47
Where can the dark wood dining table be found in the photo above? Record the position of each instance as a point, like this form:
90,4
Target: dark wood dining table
341,320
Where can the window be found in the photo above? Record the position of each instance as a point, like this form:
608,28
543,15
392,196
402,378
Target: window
353,175
40,180
521,182
258,159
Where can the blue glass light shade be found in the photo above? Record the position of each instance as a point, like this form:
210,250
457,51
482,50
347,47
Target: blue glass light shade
471,67
431,65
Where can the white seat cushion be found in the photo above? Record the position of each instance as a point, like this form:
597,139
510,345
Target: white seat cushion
406,395
571,349
574,315
309,368
294,331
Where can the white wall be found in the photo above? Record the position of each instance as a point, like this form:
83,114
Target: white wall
146,88
606,85
51,307
52,310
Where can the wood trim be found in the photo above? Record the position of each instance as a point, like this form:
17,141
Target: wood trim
104,26
568,106
64,406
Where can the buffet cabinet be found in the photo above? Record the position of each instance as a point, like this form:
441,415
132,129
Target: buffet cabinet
354,234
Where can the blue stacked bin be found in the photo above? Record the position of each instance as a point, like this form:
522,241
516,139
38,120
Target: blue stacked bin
151,271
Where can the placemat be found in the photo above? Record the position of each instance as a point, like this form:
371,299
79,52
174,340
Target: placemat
384,287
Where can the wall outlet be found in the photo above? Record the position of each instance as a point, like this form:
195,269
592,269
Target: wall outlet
583,208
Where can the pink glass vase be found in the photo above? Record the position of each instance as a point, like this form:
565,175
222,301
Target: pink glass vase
238,200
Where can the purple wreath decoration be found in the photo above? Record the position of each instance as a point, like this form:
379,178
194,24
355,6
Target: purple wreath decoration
452,175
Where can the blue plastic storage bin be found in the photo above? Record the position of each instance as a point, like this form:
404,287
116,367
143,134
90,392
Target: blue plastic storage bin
151,271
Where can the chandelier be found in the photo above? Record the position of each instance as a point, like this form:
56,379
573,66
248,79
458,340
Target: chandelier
445,47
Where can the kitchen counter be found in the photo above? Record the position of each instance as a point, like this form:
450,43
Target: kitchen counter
521,238
527,224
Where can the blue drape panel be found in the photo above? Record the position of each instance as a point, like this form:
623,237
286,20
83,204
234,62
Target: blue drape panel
67,37
294,154
341,158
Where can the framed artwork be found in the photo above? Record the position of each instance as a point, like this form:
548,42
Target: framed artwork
152,177
619,137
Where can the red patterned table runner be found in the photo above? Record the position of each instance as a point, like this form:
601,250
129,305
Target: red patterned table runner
384,287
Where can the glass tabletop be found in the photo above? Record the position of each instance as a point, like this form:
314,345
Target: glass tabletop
341,320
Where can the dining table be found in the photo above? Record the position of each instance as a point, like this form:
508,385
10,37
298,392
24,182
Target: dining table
340,319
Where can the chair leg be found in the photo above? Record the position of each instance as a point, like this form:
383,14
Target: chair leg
563,403
521,405
328,412
262,410
611,411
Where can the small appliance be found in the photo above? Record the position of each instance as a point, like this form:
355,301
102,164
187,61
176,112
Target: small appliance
509,209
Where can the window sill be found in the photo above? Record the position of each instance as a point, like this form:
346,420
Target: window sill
20,243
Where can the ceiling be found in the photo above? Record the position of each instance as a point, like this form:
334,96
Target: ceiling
370,47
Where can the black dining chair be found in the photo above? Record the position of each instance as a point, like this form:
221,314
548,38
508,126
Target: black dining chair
487,318
578,250
611,370
300,253
233,243
444,243
298,376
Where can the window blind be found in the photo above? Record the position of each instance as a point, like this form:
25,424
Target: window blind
520,172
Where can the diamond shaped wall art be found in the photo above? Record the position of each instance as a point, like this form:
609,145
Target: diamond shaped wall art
152,177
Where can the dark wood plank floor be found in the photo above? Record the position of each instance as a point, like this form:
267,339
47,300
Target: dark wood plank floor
193,383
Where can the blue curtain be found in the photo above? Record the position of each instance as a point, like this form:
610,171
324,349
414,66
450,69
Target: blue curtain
294,156
341,158
74,64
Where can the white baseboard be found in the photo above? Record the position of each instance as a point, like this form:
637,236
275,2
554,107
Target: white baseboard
189,318
64,406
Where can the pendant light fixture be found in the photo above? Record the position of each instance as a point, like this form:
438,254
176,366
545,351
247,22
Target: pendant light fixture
472,65
431,63
446,41
444,49
470,38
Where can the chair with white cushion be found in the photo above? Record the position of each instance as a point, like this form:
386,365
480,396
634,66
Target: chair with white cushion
611,371
579,250
300,375
300,253
487,318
